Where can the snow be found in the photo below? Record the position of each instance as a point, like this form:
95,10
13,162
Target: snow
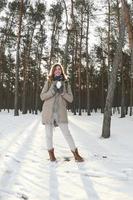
26,172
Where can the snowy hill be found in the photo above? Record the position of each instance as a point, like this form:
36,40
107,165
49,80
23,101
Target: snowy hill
26,173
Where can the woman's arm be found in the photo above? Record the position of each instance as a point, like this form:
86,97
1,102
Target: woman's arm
47,93
67,95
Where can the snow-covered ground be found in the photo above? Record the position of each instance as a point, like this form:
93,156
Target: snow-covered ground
26,173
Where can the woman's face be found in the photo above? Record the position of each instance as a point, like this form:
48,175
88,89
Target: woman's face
57,71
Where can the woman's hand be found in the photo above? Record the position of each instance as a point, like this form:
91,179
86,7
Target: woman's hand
58,87
55,87
60,90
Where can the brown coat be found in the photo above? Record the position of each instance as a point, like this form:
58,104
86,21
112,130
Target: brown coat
48,96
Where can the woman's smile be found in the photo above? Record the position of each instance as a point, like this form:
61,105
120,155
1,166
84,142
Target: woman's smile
57,71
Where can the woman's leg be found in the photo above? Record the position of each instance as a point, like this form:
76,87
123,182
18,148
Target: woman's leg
49,141
66,132
49,135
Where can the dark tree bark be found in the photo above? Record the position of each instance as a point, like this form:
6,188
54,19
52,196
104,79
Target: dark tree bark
52,40
123,110
16,112
67,40
80,63
1,86
38,78
112,83
102,76
27,51
128,22
74,62
109,39
87,62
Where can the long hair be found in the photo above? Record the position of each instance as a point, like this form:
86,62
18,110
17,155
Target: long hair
51,73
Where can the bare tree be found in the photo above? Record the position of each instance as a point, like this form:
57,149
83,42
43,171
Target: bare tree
112,83
87,59
21,5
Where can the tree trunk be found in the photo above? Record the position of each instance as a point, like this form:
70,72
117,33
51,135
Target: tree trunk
18,61
123,111
67,40
79,67
0,78
131,84
8,84
109,39
102,78
25,82
37,82
66,52
27,52
39,58
128,22
112,83
74,62
37,90
52,41
87,63
102,89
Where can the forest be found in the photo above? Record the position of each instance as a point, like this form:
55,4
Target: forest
34,36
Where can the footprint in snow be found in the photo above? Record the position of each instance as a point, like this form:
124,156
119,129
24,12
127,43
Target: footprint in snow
128,172
98,156
22,196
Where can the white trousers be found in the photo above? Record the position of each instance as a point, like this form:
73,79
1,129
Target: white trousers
66,132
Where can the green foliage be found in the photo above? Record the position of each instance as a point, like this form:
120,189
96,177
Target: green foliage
56,10
37,13
2,4
14,6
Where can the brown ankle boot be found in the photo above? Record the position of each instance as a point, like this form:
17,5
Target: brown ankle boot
77,157
51,155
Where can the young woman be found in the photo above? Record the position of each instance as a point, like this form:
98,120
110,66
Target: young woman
55,93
